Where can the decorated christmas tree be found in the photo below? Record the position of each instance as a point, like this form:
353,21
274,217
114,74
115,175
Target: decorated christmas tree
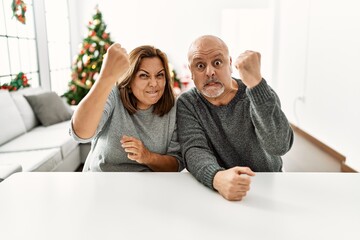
175,80
87,64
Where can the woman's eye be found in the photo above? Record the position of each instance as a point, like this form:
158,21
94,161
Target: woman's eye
160,75
143,76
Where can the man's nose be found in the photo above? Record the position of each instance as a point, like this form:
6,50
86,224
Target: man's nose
210,71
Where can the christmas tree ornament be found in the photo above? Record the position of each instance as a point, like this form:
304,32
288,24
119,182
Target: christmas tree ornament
19,10
20,81
88,83
174,79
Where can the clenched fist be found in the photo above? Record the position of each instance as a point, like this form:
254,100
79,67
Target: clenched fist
115,64
248,64
233,183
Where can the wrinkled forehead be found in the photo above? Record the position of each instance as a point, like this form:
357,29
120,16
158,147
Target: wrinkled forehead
205,46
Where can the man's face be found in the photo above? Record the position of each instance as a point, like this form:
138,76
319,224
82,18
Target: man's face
210,66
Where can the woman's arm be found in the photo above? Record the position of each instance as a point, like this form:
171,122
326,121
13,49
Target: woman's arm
139,153
88,114
162,163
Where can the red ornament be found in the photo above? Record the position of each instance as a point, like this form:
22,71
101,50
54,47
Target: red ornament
19,10
105,35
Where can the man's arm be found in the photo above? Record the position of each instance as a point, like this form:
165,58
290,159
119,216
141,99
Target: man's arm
198,155
200,160
271,124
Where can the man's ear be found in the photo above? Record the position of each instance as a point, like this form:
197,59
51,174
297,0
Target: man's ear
191,77
231,65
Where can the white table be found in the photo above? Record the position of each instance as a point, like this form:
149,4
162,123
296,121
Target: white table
172,206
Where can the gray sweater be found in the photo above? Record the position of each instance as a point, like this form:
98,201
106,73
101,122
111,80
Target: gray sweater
251,130
158,134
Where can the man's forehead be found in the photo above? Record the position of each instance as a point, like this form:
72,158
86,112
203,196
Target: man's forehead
199,55
206,46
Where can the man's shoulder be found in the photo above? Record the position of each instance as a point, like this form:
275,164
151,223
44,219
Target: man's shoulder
188,100
188,95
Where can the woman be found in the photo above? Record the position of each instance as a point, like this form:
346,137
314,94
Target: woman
132,123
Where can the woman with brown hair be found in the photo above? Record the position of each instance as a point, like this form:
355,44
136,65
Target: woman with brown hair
129,114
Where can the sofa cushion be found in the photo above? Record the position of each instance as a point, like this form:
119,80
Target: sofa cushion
54,136
11,122
49,108
24,107
6,169
37,160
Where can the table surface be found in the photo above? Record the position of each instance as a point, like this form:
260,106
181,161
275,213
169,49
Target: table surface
176,206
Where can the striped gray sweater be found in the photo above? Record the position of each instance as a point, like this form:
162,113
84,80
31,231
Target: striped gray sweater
251,130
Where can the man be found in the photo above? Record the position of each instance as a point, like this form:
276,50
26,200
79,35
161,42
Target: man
230,128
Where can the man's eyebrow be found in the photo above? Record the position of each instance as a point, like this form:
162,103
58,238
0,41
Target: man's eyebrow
219,55
200,58
197,59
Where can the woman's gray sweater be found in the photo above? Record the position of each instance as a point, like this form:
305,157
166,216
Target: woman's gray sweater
158,134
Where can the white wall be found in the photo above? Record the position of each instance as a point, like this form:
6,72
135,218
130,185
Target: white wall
250,29
170,25
319,61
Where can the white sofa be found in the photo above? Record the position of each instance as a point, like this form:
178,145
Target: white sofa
25,142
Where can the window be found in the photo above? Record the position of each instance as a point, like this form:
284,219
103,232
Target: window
21,45
17,45
58,42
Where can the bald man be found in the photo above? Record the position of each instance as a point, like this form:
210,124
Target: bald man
230,128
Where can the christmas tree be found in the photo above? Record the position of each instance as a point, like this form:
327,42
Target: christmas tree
87,64
175,80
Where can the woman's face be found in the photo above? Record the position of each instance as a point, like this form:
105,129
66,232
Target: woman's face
149,83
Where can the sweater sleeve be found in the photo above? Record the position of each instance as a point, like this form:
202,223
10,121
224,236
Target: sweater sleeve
174,149
108,108
271,125
198,156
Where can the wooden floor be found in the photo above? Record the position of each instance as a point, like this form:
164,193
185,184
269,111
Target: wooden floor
309,155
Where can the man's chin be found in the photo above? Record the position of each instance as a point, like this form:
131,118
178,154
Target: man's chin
212,93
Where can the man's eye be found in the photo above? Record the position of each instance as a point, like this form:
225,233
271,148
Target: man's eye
200,66
217,63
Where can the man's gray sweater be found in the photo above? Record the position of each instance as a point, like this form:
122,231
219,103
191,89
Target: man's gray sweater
251,130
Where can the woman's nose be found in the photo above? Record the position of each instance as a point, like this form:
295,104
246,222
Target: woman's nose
153,82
